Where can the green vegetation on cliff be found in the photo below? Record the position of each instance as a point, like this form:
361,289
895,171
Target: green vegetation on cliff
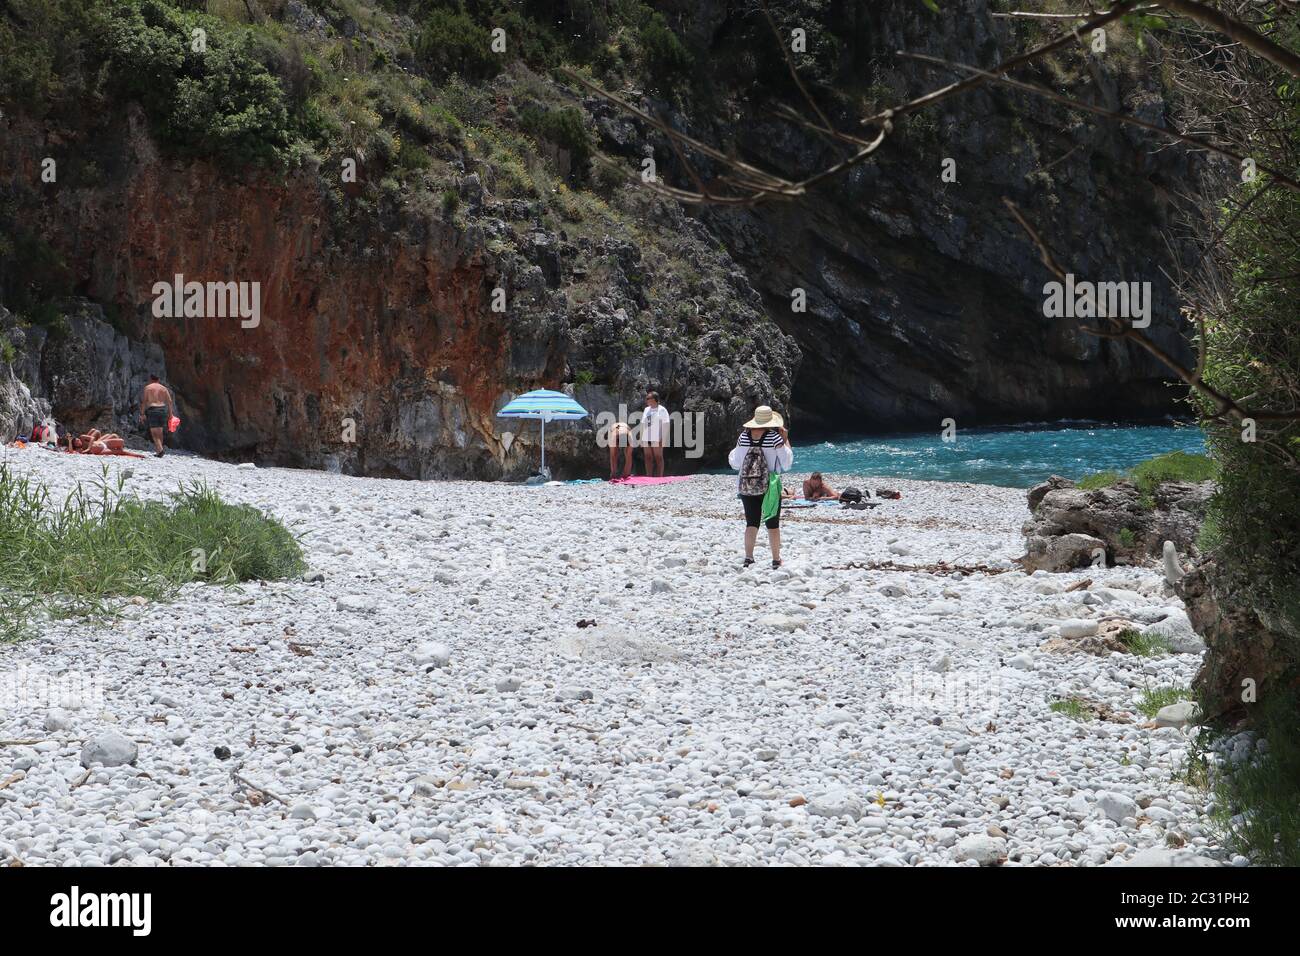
390,105
1247,299
240,84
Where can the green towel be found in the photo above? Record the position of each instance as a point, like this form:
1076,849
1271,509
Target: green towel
772,499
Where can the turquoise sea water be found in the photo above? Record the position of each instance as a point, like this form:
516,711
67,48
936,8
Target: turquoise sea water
1015,457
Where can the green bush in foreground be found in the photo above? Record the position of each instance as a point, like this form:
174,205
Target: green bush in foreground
69,559
1255,805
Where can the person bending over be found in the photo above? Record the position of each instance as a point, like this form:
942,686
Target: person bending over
620,436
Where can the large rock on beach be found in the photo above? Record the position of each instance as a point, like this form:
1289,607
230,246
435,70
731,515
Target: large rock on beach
1069,526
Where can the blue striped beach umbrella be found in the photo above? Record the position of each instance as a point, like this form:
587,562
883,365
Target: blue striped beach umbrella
545,406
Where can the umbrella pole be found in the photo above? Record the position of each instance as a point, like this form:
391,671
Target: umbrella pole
543,446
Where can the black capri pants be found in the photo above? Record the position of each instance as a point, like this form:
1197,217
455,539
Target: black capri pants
754,512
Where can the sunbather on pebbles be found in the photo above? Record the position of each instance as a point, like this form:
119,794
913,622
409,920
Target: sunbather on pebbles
816,489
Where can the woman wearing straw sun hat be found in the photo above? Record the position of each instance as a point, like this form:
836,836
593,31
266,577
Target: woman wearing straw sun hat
761,454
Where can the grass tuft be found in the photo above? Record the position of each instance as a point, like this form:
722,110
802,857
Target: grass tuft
1150,474
1143,645
1100,479
71,559
1154,698
1071,707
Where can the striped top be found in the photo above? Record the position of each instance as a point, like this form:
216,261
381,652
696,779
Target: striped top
779,455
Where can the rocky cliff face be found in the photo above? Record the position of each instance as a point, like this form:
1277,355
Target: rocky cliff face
19,410
80,372
1247,657
925,298
378,349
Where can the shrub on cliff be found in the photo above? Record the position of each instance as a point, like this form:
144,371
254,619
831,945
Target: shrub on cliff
226,99
71,557
219,101
666,59
451,41
566,129
39,43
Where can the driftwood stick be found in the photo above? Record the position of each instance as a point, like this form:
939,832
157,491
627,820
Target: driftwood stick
252,786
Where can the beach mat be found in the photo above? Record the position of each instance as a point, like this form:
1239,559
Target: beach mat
643,480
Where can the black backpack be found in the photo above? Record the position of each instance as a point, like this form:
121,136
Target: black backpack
850,494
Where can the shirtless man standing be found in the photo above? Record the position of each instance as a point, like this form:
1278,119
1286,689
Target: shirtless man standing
156,409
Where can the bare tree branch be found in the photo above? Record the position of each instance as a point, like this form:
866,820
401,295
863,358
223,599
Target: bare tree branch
1218,20
1021,14
1278,175
929,99
1226,408
826,127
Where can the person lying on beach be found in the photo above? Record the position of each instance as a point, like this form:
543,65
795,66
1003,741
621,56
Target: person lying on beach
816,489
95,442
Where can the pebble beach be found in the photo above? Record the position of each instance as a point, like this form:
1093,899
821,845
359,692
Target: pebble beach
490,674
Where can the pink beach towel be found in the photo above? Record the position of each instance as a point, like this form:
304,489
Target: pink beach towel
643,480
